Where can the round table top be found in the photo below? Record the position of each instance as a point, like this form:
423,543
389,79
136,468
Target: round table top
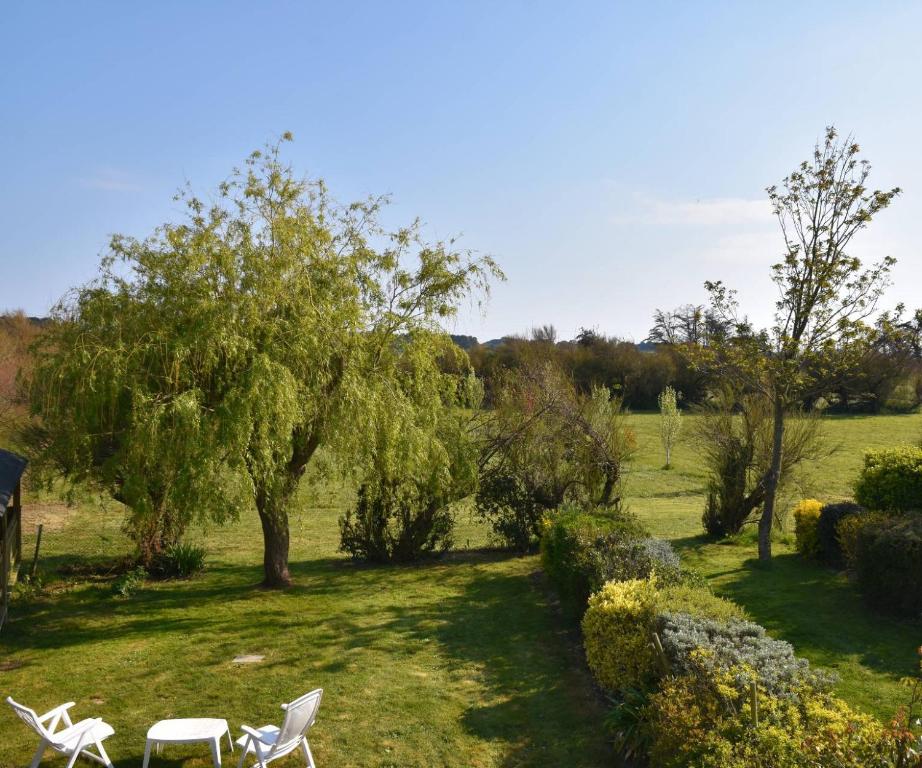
188,729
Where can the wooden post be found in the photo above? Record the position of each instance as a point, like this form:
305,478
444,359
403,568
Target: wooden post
16,551
4,563
38,543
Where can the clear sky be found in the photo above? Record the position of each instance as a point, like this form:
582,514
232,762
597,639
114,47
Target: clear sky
611,156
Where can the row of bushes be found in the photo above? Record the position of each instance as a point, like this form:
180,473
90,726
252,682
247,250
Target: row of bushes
881,548
695,682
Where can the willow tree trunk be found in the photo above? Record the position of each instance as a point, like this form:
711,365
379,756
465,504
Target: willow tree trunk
274,520
771,482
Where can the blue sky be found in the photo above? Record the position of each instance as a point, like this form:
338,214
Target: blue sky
611,156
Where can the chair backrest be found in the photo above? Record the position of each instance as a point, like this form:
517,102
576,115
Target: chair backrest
30,718
299,717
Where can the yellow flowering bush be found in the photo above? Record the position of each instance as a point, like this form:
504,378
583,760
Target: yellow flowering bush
806,520
617,632
704,720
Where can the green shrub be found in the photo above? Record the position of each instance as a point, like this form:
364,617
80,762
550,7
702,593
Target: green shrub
570,553
126,584
886,560
513,510
806,520
891,480
827,530
401,522
617,633
697,600
848,530
178,561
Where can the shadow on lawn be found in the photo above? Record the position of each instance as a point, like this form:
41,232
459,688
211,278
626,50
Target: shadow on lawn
531,693
821,614
539,699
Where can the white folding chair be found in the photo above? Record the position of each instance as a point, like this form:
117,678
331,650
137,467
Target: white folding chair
73,739
270,742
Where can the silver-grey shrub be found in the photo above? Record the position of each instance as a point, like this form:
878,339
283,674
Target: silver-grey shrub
742,646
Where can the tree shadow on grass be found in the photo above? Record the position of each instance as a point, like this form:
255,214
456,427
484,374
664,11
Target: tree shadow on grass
531,698
821,614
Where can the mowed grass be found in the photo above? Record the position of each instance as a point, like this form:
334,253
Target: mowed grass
460,662
813,607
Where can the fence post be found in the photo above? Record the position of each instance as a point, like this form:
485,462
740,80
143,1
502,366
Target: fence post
38,542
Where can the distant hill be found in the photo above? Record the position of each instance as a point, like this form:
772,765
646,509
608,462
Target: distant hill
465,342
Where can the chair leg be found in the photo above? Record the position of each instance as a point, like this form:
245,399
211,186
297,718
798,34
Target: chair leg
102,753
307,753
37,757
243,754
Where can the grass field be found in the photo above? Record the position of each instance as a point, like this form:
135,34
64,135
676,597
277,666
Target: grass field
462,662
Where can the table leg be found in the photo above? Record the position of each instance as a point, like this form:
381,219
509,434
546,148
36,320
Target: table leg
147,746
216,751
230,739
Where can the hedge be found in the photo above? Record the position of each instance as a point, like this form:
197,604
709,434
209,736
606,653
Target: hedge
891,480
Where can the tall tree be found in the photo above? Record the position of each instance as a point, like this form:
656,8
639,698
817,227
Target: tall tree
825,296
204,369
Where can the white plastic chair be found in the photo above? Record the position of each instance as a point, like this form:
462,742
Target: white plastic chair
270,742
73,739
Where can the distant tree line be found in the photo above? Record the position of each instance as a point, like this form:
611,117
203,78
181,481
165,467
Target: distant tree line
888,376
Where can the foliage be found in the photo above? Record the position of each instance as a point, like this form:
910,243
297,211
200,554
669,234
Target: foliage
201,372
412,475
670,421
740,647
574,547
401,524
130,581
891,480
704,720
827,534
17,333
806,520
697,600
545,443
179,561
617,632
886,560
637,374
850,527
627,723
734,439
825,296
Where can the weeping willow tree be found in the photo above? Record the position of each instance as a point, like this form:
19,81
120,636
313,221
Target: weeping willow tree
201,372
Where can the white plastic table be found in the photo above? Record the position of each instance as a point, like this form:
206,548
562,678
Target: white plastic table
189,730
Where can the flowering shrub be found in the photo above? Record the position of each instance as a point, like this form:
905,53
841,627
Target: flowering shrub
806,520
891,480
704,719
617,631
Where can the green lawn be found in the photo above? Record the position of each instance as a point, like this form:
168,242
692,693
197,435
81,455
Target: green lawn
456,663
463,662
